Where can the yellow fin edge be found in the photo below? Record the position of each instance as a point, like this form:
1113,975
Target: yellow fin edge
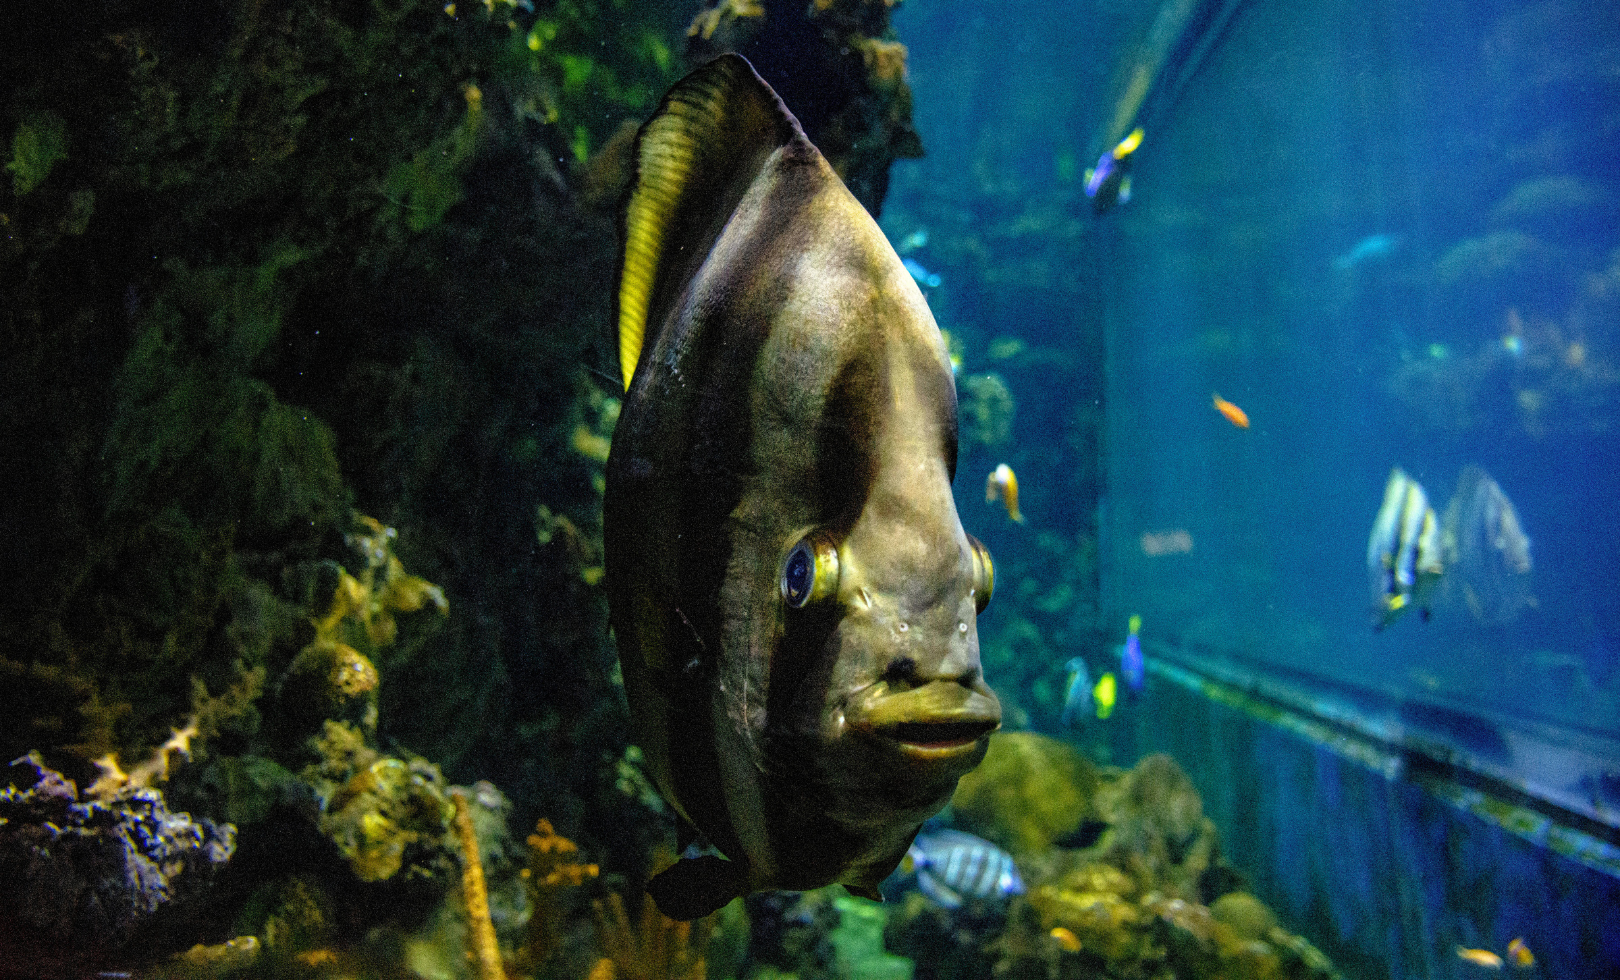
665,159
711,124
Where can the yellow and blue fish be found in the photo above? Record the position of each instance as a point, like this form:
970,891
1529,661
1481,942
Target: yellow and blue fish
1131,664
1109,182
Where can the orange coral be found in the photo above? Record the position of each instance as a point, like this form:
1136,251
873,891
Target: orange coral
475,893
556,867
114,780
657,948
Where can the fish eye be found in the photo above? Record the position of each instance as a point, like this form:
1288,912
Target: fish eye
984,574
810,571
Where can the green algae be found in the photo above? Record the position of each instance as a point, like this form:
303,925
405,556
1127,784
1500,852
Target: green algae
39,144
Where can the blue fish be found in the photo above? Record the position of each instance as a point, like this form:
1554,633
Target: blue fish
1109,182
953,866
1077,696
1372,247
1131,666
923,276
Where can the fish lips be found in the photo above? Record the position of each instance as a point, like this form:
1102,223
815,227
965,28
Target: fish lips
938,724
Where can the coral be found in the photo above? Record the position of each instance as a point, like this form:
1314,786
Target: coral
1029,792
655,948
985,411
115,782
301,917
1243,914
87,879
328,680
1126,904
331,679
838,65
581,550
859,942
221,958
555,871
475,895
382,589
427,185
389,812
721,12
383,813
790,934
1157,828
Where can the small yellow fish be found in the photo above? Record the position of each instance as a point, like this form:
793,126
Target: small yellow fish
1002,483
1480,957
1104,694
1066,939
1234,415
1519,954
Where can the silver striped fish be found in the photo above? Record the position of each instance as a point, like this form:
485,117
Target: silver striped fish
953,866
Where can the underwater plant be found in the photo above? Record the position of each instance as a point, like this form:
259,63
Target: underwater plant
39,143
655,947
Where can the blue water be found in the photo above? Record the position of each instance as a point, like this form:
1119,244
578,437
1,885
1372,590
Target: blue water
1389,231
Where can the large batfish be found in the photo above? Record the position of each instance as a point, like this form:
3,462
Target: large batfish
1403,552
1487,551
792,592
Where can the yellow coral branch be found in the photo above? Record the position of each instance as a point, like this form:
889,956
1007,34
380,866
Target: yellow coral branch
115,780
658,948
476,894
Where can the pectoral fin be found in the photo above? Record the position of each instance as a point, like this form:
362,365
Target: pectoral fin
695,887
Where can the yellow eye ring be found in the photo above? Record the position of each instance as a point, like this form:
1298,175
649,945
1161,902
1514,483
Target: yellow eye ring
810,571
984,574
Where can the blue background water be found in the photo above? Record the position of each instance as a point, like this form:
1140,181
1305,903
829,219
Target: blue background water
1477,138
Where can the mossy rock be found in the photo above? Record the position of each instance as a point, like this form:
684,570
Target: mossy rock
1029,792
1244,914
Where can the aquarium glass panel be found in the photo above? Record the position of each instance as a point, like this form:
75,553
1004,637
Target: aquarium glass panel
1370,236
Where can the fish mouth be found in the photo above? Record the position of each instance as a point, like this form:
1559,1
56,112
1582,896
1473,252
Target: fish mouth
937,722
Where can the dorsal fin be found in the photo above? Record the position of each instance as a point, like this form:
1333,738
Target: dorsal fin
695,158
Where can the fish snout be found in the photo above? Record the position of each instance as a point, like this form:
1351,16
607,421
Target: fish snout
939,721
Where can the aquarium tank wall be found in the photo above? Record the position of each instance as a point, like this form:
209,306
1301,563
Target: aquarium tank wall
1357,238
1286,354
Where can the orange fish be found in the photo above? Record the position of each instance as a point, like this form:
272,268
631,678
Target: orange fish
1234,415
1519,954
1480,957
1003,484
1067,939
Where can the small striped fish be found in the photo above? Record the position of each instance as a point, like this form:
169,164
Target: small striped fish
953,867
